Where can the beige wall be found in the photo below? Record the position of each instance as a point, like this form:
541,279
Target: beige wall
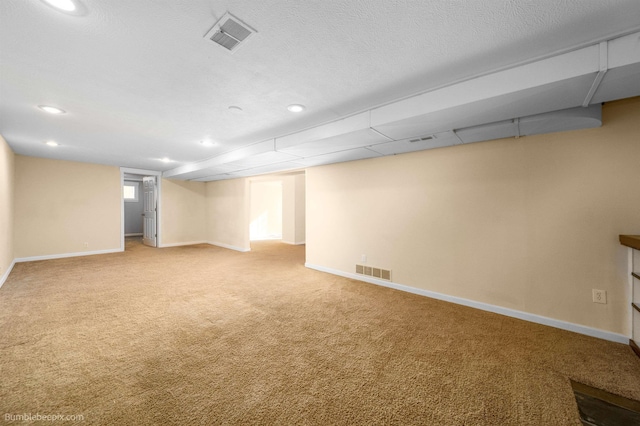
529,224
226,210
183,212
61,205
293,209
289,209
300,209
227,207
7,170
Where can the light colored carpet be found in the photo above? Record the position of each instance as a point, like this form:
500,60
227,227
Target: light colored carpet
205,335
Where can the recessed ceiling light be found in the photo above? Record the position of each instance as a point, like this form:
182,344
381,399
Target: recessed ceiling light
65,5
235,109
165,160
207,143
52,109
296,108
52,143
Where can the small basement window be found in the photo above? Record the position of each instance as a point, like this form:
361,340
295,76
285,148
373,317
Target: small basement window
130,192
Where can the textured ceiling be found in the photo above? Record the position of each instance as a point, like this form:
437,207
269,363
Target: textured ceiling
140,82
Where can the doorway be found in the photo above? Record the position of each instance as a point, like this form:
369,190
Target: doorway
266,211
133,205
277,208
140,213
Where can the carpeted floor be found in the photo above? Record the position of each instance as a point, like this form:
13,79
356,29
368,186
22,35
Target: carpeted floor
205,335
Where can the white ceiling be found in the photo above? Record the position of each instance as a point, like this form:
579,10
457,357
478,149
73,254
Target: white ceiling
140,82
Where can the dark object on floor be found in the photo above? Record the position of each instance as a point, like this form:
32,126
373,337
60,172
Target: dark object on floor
601,408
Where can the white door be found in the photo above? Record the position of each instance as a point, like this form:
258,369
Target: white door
149,229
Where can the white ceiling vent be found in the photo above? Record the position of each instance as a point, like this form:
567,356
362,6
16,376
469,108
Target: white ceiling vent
230,32
422,139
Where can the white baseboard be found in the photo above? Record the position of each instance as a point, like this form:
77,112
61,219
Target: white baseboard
189,243
63,255
576,328
227,246
6,273
294,244
134,235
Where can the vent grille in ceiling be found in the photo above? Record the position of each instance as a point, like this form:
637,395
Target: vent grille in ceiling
424,138
230,32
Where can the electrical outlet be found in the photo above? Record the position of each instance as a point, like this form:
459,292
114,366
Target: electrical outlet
86,245
363,258
599,296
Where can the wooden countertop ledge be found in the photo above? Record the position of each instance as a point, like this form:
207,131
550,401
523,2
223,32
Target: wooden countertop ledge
632,241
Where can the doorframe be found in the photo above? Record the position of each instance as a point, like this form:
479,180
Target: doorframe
141,172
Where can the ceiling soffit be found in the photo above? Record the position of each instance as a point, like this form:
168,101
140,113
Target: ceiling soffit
508,103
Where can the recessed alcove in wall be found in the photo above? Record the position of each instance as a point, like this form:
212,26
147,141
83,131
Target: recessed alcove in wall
277,208
266,210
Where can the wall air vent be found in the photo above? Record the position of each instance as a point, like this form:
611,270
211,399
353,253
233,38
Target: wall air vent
384,274
230,32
